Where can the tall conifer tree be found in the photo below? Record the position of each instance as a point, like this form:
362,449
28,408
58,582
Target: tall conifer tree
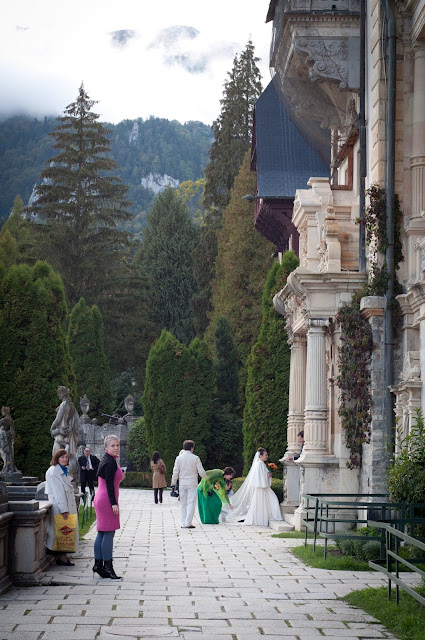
80,205
232,139
177,396
243,260
267,387
166,264
233,128
85,336
35,358
227,377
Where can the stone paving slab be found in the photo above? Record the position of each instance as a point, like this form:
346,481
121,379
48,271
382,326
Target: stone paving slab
227,582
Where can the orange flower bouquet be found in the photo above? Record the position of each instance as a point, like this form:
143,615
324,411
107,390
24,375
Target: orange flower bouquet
272,466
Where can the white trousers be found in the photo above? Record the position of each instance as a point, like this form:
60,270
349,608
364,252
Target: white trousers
188,497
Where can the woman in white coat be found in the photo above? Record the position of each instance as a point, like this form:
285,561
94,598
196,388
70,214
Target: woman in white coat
60,492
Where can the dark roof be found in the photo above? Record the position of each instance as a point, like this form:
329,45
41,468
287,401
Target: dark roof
284,159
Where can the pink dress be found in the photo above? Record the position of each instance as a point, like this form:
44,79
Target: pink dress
106,519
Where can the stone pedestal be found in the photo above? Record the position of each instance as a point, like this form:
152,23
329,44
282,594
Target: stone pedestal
27,540
291,487
5,518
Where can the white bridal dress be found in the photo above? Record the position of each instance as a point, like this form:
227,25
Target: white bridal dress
255,502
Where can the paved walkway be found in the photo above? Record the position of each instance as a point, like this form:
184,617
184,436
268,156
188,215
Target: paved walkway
227,582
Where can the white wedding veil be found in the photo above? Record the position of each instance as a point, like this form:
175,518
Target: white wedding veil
241,500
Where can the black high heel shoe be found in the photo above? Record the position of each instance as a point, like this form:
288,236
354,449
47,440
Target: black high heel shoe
68,563
98,568
108,570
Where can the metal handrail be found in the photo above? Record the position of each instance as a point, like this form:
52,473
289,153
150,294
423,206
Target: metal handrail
393,537
324,502
87,508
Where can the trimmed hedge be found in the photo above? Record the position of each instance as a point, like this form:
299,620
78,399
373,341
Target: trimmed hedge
140,479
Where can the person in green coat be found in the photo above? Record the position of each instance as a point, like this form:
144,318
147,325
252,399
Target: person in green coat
212,495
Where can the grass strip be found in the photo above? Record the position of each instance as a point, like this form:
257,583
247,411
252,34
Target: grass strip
292,534
88,521
334,560
405,620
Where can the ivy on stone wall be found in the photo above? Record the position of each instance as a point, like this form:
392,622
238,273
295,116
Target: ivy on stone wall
354,356
355,350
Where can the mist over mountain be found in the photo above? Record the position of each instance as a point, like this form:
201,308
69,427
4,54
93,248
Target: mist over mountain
150,154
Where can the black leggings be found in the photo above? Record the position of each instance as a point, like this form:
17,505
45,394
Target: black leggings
155,495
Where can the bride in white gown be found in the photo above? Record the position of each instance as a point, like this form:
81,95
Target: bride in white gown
255,502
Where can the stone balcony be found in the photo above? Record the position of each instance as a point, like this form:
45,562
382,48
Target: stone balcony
315,55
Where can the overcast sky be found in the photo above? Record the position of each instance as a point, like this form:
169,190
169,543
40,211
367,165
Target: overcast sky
166,58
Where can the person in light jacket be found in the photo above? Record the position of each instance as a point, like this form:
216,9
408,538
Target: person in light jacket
187,466
60,492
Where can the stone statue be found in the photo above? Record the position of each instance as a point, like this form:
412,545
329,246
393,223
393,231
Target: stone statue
7,443
65,429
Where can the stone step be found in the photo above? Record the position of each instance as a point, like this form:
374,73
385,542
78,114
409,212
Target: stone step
280,526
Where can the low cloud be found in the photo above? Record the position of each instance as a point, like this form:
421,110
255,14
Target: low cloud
121,37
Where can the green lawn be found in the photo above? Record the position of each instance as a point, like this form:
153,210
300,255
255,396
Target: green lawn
406,620
292,534
334,560
88,521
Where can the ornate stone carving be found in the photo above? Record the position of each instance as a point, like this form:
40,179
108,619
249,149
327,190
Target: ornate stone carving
7,443
327,57
65,429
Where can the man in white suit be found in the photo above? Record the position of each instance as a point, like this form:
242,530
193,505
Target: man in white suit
187,467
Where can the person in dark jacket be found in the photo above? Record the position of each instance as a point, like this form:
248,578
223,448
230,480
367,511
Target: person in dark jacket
88,469
109,476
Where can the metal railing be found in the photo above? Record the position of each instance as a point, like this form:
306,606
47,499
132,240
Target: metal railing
87,509
393,540
326,509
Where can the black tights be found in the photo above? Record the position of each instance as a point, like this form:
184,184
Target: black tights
155,495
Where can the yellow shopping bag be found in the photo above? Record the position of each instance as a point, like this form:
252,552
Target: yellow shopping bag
65,533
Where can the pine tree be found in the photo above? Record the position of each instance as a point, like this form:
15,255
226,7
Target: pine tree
85,336
166,264
267,387
232,139
35,358
177,396
233,128
227,378
79,206
243,260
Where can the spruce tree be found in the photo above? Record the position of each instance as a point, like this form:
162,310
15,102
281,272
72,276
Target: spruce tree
79,205
267,387
35,358
232,139
166,265
243,261
85,336
233,128
177,397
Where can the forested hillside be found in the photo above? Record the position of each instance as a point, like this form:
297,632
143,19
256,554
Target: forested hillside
140,148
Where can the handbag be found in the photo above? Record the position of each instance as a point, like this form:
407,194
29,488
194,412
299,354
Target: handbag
162,469
65,533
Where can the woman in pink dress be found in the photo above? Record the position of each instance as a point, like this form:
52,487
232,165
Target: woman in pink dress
109,476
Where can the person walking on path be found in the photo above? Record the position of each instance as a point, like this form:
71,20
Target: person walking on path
88,464
60,493
187,467
159,481
109,476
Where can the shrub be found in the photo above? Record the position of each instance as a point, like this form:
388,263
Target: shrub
137,479
406,477
137,446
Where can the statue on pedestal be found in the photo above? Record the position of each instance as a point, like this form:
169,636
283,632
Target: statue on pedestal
65,429
7,442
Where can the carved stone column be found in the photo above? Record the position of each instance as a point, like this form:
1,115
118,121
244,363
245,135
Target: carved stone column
316,404
297,381
418,141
